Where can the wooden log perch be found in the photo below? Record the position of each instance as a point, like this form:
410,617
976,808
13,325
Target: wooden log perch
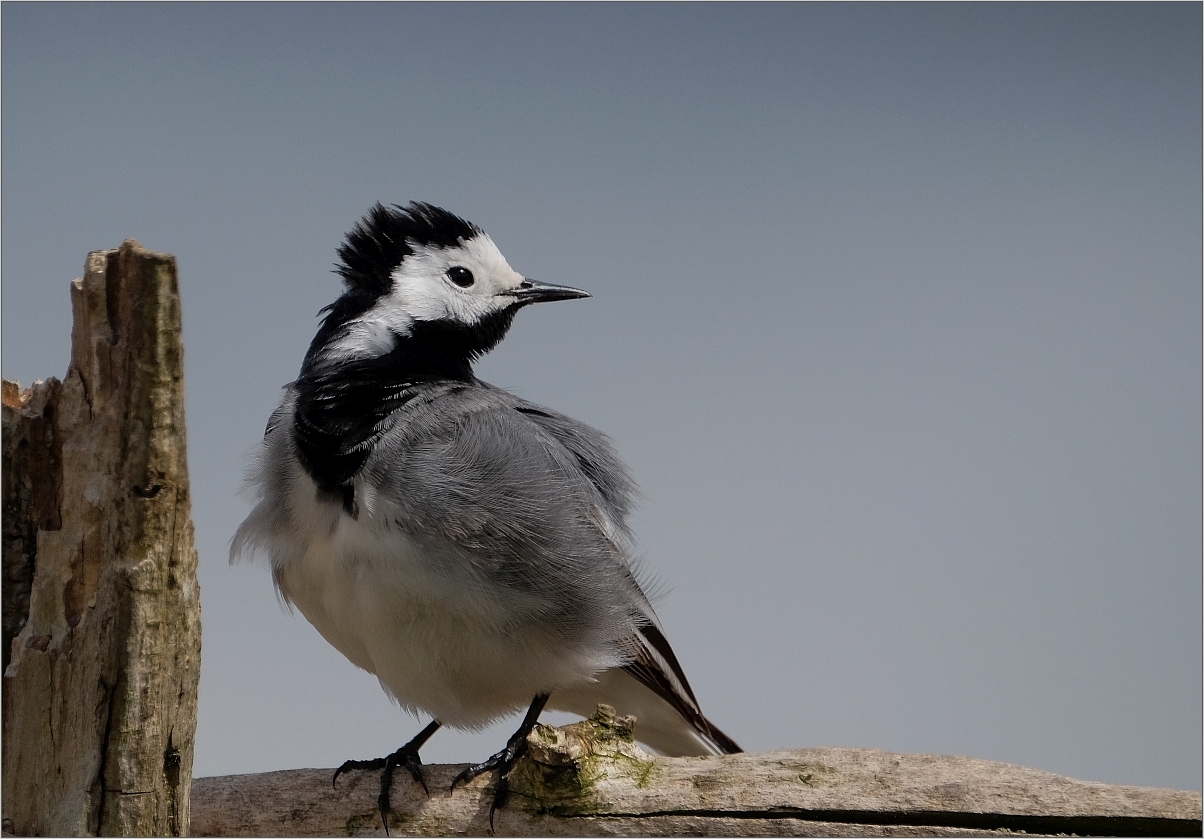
101,604
590,779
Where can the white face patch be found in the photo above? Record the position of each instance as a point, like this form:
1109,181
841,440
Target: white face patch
423,291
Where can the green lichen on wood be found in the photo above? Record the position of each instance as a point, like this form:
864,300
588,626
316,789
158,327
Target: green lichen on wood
563,767
643,771
355,825
398,821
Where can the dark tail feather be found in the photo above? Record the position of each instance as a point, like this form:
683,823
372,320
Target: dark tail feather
725,744
651,673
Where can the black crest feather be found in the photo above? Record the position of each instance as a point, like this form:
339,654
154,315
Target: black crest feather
386,235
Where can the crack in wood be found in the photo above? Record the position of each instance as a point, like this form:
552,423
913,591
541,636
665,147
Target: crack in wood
1039,824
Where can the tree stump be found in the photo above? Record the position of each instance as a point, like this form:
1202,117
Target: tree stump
101,603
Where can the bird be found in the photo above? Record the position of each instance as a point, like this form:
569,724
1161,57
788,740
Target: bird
469,548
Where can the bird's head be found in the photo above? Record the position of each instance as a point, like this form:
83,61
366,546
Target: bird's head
428,278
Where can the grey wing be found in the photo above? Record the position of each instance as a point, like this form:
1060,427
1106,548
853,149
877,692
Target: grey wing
595,456
525,507
652,661
529,524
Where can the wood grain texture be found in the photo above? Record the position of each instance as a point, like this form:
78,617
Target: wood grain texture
590,779
103,629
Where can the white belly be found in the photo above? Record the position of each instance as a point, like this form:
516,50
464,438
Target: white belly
435,647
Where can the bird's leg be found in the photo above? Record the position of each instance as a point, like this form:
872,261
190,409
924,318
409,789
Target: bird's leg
406,756
504,760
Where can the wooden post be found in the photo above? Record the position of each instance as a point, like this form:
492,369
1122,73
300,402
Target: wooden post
101,603
590,779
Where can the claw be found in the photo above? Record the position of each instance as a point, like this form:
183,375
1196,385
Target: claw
500,794
504,760
406,756
348,765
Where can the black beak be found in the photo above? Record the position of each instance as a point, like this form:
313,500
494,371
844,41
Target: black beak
530,291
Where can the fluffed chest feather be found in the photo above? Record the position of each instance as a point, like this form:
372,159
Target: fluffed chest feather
436,644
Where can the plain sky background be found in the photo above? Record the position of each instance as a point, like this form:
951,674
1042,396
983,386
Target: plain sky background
897,320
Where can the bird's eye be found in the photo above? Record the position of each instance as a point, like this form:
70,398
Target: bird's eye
460,275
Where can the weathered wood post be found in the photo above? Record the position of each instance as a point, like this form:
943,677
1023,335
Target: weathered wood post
101,604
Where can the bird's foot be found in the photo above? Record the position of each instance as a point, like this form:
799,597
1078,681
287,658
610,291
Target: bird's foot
406,756
504,760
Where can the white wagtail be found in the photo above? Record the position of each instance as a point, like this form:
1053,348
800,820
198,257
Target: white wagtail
469,548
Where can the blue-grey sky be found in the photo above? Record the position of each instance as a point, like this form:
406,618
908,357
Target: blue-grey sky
896,318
